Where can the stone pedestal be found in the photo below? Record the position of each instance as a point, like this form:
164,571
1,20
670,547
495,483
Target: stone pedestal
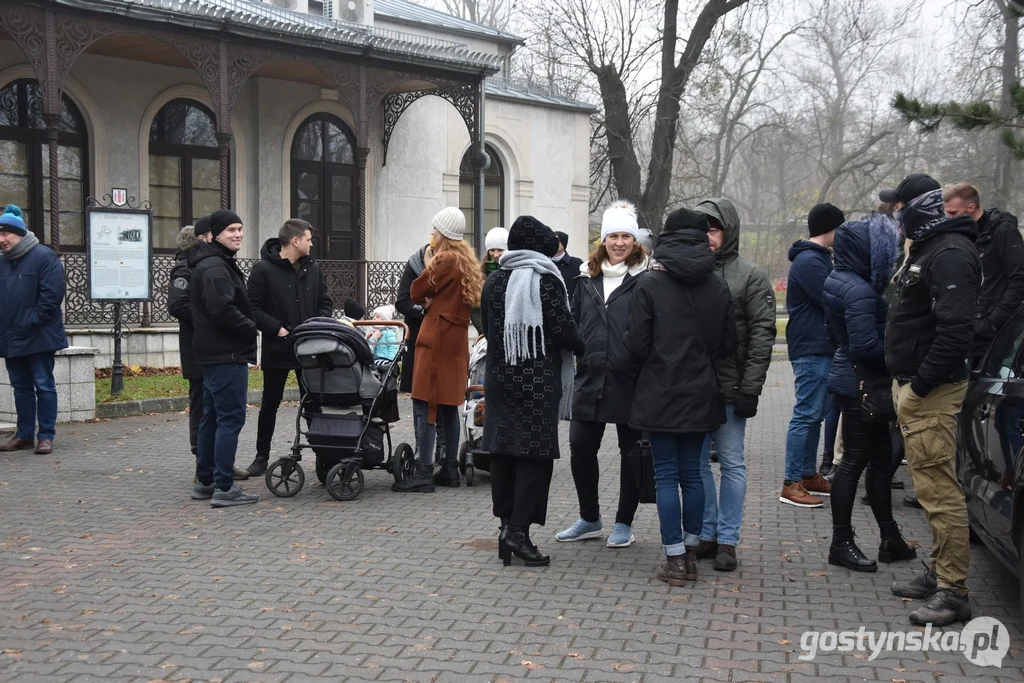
74,373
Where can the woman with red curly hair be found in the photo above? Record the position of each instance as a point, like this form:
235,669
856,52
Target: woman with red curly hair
448,288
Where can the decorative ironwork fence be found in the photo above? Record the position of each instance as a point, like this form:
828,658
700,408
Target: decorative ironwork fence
343,280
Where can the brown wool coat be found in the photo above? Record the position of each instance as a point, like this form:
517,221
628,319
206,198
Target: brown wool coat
441,369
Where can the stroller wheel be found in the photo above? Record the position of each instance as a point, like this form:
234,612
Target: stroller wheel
463,459
470,471
345,480
285,478
403,462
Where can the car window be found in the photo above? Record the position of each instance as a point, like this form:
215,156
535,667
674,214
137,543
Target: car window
1005,349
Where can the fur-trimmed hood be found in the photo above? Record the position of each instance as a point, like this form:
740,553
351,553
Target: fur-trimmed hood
869,248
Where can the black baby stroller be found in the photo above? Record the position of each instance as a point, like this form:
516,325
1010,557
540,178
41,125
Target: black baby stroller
348,408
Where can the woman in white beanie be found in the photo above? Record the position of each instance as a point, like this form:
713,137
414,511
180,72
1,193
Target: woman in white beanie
496,242
448,288
604,291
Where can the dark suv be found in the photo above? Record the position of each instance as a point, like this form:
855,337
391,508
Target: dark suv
990,463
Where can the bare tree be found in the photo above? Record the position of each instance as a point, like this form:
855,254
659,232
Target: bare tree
616,42
494,13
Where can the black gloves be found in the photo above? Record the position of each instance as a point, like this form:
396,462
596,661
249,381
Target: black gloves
744,405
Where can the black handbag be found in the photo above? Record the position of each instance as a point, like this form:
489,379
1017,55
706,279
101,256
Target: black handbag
874,390
641,464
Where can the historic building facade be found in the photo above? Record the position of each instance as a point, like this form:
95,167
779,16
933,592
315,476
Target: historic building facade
364,124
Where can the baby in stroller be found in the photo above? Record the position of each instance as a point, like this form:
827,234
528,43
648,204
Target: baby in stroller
348,408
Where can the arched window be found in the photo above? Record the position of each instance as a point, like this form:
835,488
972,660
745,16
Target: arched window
184,169
324,192
25,161
494,192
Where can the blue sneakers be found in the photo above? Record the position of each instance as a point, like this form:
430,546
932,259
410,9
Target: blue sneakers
581,531
621,536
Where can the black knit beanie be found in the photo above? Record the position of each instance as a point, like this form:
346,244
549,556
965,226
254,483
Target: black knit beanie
824,218
219,220
202,226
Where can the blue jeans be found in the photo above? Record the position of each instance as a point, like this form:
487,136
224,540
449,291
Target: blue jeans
225,390
805,427
677,465
723,523
34,391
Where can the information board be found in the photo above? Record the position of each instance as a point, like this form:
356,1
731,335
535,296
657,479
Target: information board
120,251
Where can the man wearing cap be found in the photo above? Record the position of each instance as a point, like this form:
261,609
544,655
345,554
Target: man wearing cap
928,337
225,344
31,329
810,353
179,306
568,266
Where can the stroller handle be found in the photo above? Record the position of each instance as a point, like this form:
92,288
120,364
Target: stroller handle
476,388
384,323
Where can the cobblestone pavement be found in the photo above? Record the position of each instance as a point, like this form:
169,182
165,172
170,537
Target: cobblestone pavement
110,571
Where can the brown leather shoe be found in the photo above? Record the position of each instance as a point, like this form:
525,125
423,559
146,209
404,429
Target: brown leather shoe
817,485
44,447
795,494
673,570
16,444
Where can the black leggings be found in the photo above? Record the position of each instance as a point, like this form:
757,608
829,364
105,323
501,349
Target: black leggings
866,445
448,416
584,443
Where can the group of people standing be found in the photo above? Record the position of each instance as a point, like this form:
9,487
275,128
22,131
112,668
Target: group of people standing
893,343
220,315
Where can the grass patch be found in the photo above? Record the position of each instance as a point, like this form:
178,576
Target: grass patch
166,386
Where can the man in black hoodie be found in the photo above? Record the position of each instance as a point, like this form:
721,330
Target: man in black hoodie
928,336
224,341
286,288
1001,249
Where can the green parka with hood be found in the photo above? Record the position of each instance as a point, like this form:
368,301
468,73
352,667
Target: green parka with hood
753,302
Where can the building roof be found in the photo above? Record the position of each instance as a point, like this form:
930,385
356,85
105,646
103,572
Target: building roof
406,12
523,91
263,20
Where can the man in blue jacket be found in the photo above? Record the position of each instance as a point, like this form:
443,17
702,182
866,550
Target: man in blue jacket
31,329
811,353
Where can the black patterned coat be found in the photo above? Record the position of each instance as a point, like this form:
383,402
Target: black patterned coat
522,400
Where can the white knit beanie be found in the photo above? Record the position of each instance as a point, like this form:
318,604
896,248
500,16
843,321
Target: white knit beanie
450,222
620,217
386,312
497,238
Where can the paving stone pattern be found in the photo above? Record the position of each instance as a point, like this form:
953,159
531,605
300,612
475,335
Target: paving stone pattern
110,572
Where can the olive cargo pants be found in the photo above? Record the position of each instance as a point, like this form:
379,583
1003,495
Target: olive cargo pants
928,426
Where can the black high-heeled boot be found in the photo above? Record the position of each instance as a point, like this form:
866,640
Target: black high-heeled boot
518,543
844,551
503,551
893,548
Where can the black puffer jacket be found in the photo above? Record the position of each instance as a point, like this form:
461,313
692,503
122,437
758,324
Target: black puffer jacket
225,331
412,312
680,325
179,305
282,296
930,326
1001,249
601,393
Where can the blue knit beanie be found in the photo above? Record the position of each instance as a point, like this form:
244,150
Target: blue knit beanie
11,221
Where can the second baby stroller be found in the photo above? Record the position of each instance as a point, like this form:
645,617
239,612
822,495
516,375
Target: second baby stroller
348,408
471,456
